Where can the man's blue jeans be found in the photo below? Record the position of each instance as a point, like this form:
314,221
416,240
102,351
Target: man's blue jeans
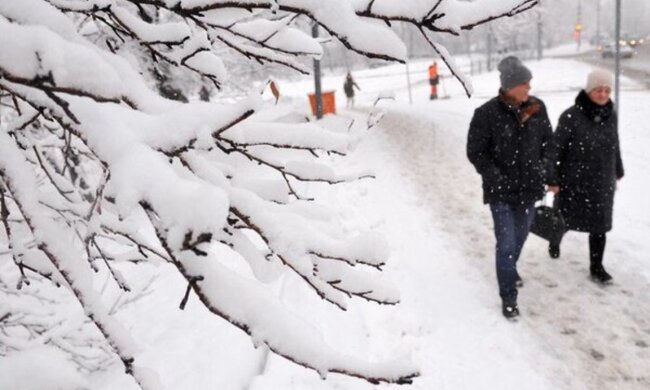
511,227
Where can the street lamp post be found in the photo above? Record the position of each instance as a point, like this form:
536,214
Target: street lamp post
408,81
578,30
598,22
539,36
617,87
317,81
490,43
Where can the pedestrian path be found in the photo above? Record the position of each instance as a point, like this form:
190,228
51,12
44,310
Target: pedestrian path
600,335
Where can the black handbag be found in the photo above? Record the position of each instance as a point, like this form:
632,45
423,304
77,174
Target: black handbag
548,223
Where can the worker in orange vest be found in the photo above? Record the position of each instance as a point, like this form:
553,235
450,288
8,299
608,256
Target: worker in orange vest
434,79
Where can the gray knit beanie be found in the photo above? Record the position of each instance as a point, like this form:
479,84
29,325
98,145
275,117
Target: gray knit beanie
513,73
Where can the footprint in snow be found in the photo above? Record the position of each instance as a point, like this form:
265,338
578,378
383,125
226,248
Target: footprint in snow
597,355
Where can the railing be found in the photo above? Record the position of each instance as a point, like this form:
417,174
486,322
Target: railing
480,63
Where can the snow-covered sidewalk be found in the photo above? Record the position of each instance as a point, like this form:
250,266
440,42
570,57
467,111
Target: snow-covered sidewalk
582,334
572,334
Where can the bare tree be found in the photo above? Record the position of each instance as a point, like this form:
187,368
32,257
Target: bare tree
97,168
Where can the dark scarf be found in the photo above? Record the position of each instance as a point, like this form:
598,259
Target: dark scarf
525,110
595,113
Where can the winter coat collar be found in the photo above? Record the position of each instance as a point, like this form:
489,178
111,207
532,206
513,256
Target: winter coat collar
524,111
595,113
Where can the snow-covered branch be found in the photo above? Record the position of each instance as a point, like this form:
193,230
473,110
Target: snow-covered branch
348,21
98,168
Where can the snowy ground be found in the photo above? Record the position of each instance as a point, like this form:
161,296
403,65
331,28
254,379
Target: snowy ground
569,49
426,200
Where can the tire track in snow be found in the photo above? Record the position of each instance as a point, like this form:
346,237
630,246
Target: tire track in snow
601,334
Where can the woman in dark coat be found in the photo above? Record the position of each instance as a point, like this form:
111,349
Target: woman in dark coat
585,164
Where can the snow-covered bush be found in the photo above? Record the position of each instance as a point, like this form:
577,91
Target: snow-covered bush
98,168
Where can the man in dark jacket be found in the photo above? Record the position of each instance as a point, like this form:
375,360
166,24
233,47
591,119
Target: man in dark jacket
506,144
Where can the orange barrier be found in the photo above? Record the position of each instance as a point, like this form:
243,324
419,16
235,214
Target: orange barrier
329,102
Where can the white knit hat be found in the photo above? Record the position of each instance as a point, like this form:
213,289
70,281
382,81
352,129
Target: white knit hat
599,78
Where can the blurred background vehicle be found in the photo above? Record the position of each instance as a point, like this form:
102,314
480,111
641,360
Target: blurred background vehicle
632,41
608,50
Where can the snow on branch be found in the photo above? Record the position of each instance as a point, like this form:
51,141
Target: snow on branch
343,20
18,180
103,164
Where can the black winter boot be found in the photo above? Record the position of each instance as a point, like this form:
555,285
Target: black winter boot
599,275
596,250
510,311
554,251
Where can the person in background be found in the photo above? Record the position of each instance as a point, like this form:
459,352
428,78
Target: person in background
506,143
348,88
584,167
434,80
275,91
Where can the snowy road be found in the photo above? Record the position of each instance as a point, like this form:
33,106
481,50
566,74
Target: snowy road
638,66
